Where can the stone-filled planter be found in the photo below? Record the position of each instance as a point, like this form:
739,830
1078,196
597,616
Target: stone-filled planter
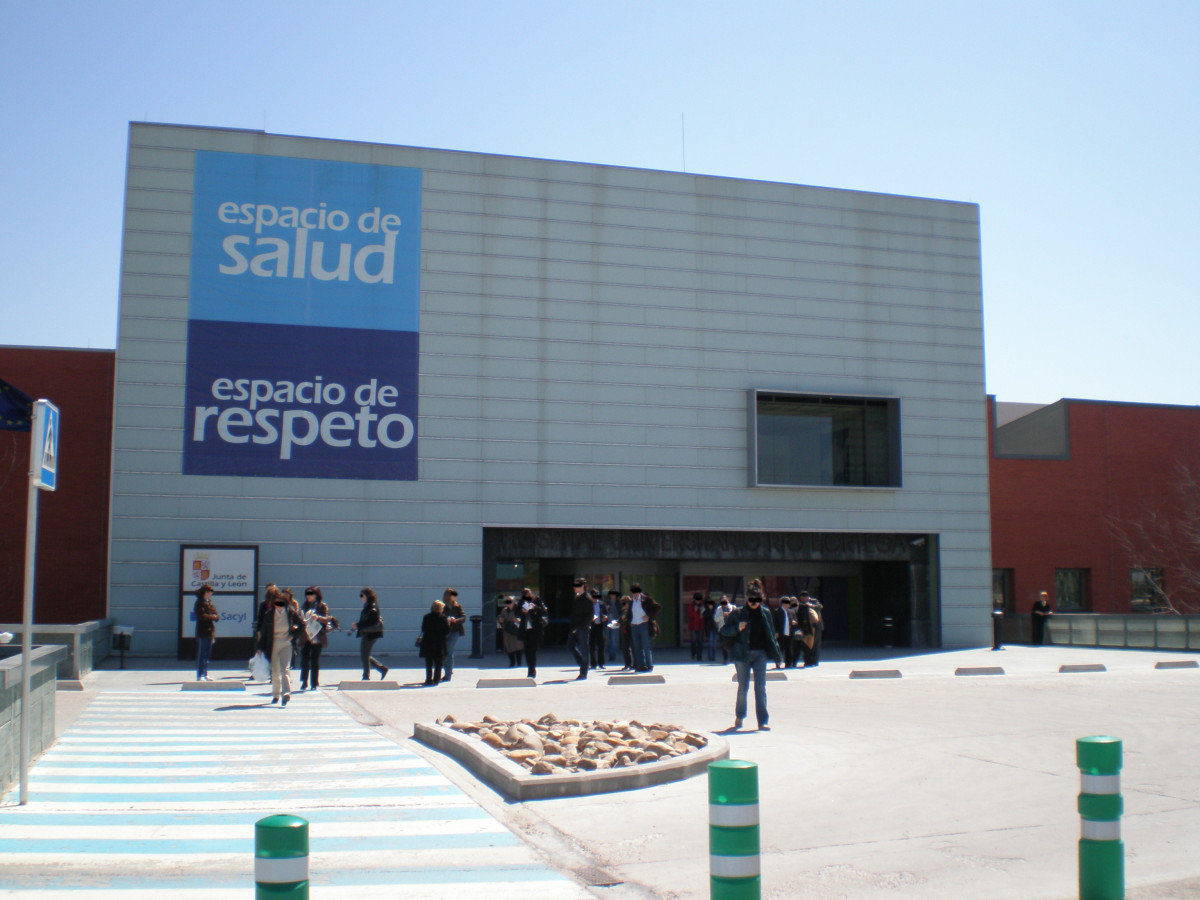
551,757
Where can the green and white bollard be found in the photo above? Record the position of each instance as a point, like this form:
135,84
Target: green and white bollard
1101,851
733,840
281,858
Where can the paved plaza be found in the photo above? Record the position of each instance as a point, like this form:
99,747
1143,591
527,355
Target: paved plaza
956,779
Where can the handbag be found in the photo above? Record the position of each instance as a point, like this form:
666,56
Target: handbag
511,628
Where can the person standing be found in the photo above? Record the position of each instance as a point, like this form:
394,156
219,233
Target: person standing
455,617
579,637
784,620
613,638
532,615
643,610
317,623
206,616
278,623
710,628
435,629
369,629
597,630
1041,615
753,644
695,624
509,624
812,610
724,608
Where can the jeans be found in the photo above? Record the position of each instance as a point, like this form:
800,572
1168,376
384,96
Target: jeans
310,666
640,635
712,644
368,660
577,642
758,662
614,642
203,654
448,660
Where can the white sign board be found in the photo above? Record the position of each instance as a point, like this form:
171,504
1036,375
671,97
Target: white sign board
227,569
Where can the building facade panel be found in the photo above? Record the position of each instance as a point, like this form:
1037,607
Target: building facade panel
587,339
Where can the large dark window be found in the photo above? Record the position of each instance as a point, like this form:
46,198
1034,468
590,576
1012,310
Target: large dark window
809,439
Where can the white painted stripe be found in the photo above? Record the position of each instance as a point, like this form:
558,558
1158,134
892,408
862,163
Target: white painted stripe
439,883
271,804
280,871
277,784
734,866
733,816
1099,784
1092,830
157,769
384,827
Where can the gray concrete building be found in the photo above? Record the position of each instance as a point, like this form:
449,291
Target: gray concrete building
352,365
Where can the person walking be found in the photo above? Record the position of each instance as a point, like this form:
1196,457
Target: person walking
625,631
532,622
369,629
753,645
278,623
317,623
455,617
206,616
435,629
812,612
509,624
579,637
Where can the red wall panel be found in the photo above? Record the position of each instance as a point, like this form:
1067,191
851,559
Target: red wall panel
1049,514
72,543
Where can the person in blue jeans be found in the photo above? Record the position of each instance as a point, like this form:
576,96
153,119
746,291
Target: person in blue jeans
206,629
753,646
643,610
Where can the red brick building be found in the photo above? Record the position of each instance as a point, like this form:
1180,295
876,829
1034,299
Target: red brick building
1068,480
72,554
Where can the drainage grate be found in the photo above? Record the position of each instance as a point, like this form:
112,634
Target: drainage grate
593,877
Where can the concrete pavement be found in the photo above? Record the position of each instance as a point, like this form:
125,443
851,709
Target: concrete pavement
932,785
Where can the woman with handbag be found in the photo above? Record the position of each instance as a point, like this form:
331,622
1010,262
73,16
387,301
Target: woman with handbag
369,628
317,623
509,624
435,628
278,623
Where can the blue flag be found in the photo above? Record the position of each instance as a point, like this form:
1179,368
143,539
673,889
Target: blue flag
16,408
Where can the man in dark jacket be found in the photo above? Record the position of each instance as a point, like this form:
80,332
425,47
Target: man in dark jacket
579,637
753,644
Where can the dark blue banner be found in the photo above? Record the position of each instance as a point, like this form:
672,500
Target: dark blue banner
303,402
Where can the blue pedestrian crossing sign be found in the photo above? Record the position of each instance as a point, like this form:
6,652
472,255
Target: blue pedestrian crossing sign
43,450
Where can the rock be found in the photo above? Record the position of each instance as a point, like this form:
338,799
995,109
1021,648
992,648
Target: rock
493,740
646,756
447,720
541,767
491,720
522,755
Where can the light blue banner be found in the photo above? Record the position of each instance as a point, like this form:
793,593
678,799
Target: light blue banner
277,240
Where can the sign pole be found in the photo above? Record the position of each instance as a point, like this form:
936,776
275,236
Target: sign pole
27,630
43,475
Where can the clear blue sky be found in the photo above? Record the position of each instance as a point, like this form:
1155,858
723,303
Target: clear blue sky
1074,125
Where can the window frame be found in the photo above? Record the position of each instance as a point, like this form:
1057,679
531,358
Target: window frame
1085,600
891,405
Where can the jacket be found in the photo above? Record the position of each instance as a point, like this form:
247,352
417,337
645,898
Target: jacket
434,629
266,626
206,618
741,646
